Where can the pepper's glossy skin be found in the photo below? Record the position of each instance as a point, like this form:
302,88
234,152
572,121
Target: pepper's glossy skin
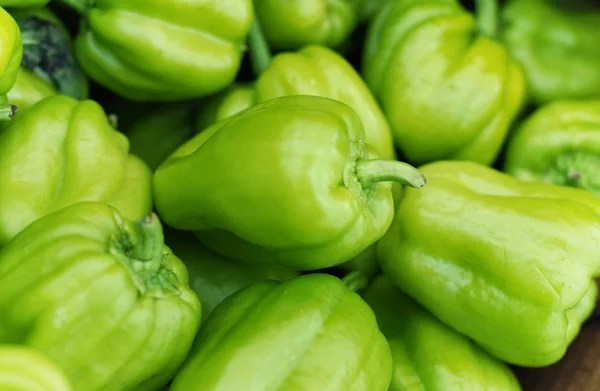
556,42
447,91
26,369
100,295
60,152
29,89
294,156
427,354
510,264
234,99
158,133
11,53
48,56
290,25
158,50
213,277
560,144
309,333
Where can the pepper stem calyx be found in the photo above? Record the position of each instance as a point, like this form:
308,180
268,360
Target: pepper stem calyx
370,172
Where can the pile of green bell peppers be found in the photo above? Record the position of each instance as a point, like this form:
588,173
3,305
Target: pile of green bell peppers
209,195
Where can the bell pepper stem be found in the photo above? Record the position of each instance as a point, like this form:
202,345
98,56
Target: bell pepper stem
260,53
356,281
7,111
150,239
79,6
487,17
369,172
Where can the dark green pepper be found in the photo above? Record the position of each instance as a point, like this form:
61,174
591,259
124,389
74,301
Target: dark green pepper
60,152
302,157
510,264
213,277
48,56
556,42
429,355
162,50
309,333
448,89
101,296
560,144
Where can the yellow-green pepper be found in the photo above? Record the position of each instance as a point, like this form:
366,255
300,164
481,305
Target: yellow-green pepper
556,42
26,369
11,52
305,334
100,295
510,264
560,144
429,355
60,152
448,88
289,181
157,50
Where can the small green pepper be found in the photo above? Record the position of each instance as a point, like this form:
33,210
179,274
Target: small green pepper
427,354
308,333
101,296
25,369
447,87
556,42
510,264
560,144
314,194
213,277
11,52
290,25
49,65
60,152
158,50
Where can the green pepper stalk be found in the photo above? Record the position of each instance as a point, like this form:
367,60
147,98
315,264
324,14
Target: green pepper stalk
487,17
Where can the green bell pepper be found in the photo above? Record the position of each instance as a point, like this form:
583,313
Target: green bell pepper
159,50
25,369
449,90
49,65
510,264
302,157
560,144
100,295
60,152
11,53
556,42
290,25
427,354
157,134
308,333
213,277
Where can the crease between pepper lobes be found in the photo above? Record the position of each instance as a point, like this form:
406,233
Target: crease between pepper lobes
289,214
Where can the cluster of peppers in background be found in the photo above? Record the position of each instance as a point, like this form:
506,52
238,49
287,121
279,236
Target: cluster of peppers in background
212,195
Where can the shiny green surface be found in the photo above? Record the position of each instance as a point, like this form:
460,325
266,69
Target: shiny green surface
290,25
302,158
560,144
101,296
448,91
159,50
60,152
214,277
309,333
25,369
510,264
427,354
556,41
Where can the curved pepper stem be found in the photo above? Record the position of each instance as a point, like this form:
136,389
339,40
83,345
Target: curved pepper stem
7,111
487,17
260,53
356,281
369,172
